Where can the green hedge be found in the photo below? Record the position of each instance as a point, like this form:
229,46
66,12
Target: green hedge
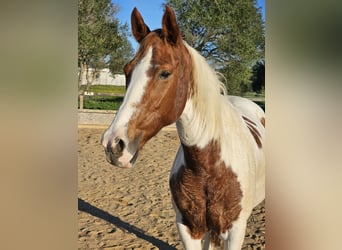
102,103
114,102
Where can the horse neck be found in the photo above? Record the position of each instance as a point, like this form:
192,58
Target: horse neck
206,111
193,129
208,117
208,135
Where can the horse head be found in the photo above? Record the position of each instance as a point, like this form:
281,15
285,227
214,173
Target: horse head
158,81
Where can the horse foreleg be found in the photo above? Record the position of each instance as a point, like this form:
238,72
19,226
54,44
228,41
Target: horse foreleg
188,242
236,235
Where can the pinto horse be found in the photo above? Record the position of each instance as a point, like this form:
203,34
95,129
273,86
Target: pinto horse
218,175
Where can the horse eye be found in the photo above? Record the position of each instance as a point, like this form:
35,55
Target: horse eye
164,75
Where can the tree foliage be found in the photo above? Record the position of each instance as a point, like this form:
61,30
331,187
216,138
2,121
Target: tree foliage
102,41
228,33
258,78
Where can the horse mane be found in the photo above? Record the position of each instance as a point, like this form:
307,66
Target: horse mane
204,75
208,99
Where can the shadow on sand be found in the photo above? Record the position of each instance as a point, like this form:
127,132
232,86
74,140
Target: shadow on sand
90,209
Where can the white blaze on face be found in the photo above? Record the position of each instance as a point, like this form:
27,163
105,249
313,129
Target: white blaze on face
135,91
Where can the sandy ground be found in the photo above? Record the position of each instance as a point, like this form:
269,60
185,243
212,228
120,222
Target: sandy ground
131,208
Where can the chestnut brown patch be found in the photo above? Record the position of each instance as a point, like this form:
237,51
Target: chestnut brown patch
248,120
206,192
254,131
262,120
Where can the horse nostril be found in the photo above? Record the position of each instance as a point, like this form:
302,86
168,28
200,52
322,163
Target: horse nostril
120,146
116,147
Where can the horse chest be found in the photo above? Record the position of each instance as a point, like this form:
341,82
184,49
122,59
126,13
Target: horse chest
207,194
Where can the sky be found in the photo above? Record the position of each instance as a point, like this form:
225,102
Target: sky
152,12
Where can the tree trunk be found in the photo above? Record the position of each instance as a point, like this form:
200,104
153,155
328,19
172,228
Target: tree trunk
80,76
90,76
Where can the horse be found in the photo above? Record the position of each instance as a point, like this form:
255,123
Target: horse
218,175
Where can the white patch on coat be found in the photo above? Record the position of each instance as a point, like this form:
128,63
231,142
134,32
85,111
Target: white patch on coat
135,91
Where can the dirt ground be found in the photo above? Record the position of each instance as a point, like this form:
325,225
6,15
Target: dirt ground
131,208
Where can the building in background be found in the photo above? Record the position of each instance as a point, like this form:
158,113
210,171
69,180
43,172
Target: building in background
105,77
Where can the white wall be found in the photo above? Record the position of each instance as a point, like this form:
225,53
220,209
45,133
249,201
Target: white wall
105,78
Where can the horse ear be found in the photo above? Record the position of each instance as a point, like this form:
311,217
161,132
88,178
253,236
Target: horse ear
139,28
170,27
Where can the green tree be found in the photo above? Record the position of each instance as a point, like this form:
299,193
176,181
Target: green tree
228,33
258,77
122,51
102,41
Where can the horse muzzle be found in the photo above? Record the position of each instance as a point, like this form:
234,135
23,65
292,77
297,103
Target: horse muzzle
118,153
